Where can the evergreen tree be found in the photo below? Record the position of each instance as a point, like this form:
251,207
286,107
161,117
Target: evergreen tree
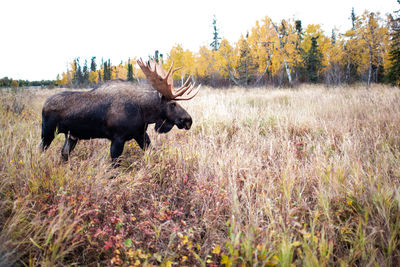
107,71
85,74
246,66
299,29
215,43
77,74
351,51
353,18
93,64
313,61
393,75
298,65
130,71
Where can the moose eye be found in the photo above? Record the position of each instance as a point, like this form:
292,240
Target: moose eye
173,104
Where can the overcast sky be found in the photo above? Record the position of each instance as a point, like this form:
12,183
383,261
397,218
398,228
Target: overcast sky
40,37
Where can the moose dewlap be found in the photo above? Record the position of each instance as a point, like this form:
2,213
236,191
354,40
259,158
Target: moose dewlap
118,110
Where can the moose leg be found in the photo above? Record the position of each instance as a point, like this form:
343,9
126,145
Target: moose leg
143,140
69,145
117,146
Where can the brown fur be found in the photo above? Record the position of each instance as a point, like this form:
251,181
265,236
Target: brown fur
117,110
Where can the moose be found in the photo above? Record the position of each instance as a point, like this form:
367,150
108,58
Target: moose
118,110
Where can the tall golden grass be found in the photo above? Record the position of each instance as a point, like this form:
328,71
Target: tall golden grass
264,177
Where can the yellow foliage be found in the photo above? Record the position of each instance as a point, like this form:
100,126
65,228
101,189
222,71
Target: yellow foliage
272,48
373,39
263,43
120,72
205,62
66,78
216,250
181,58
93,77
225,58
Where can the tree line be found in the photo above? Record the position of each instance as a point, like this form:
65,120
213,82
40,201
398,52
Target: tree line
285,53
9,82
281,53
87,76
272,53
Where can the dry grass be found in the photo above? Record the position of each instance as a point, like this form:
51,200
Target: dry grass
264,177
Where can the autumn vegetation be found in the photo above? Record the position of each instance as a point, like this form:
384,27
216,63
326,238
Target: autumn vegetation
265,177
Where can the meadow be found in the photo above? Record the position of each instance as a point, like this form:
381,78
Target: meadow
265,177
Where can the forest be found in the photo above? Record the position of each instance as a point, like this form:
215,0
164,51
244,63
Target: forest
271,53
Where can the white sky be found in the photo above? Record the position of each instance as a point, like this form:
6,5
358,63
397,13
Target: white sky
40,37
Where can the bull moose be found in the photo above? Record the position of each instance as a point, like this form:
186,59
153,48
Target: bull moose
118,110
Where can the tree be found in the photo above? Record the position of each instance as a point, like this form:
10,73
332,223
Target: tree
58,80
283,34
373,38
107,70
262,42
215,43
93,75
93,64
76,73
181,58
226,61
313,61
14,84
298,63
353,18
393,75
205,65
245,64
334,60
352,51
85,74
130,71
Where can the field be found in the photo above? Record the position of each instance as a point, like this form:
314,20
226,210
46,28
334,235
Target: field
265,177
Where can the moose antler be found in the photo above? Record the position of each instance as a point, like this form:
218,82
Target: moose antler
162,81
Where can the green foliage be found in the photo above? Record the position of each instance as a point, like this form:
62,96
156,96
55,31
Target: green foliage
353,18
130,71
313,61
85,74
245,66
77,78
216,39
299,29
93,65
8,82
107,70
393,75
